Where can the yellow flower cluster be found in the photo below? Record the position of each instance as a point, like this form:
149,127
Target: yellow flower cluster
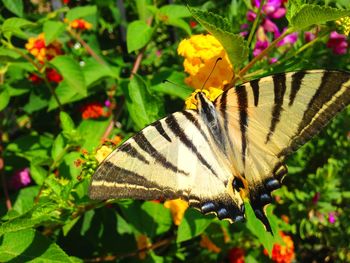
201,53
102,153
37,47
211,94
344,24
177,209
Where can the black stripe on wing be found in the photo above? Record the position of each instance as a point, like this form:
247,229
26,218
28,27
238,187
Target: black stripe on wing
279,82
297,79
255,87
160,129
242,101
130,150
174,126
145,145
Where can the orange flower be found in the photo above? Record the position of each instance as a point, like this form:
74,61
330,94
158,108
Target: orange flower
208,244
236,255
80,24
92,110
37,47
177,209
283,253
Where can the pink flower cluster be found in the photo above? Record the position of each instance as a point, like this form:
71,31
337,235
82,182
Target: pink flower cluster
20,179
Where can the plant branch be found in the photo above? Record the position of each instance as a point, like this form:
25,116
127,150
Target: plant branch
255,24
261,55
48,84
156,245
86,46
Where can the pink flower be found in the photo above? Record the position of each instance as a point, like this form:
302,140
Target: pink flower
332,217
107,103
338,43
20,178
273,60
270,26
309,36
273,8
259,47
251,16
289,39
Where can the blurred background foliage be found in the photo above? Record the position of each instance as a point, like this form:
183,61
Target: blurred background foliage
75,75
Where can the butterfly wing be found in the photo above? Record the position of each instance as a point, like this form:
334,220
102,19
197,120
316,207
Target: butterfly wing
175,157
269,118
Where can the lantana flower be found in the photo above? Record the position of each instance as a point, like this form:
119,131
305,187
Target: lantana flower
80,24
42,52
201,52
102,153
177,209
20,179
338,43
283,253
92,110
236,255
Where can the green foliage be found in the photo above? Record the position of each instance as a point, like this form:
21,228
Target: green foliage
104,84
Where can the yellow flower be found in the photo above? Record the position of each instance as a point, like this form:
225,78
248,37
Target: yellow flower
212,94
201,53
344,24
177,209
38,48
102,153
79,24
208,244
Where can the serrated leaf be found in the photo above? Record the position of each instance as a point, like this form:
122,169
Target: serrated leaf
234,44
13,25
142,106
52,29
67,123
309,14
81,11
71,72
4,98
138,35
193,224
15,6
29,245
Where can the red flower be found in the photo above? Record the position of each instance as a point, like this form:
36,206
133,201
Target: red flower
236,255
35,79
193,24
53,76
338,43
283,253
66,2
92,110
80,24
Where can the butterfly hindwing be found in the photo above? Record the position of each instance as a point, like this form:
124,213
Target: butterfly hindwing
175,157
269,118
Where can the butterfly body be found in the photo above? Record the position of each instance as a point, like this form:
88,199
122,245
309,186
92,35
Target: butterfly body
235,146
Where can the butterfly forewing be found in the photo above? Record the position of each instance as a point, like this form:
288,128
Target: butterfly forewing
269,118
175,157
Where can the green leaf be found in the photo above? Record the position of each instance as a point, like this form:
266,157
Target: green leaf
71,72
4,99
142,106
258,229
142,9
15,6
8,55
29,245
25,198
138,35
12,26
52,29
174,11
309,14
81,11
57,147
192,225
42,213
66,122
234,44
38,173
180,23
104,71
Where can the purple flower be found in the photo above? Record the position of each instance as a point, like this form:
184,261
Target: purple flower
107,103
251,16
288,39
273,8
309,36
338,43
270,26
20,178
273,60
316,198
332,217
260,46
244,31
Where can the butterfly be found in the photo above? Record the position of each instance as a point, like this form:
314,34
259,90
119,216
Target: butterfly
225,150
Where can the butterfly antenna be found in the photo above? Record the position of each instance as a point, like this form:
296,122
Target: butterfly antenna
205,82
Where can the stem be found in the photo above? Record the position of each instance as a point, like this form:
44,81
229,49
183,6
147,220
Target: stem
86,46
156,245
255,24
28,58
261,55
53,93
